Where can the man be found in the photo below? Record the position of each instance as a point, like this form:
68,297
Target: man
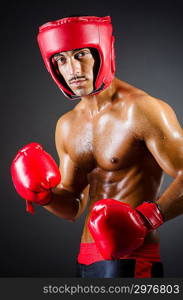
114,145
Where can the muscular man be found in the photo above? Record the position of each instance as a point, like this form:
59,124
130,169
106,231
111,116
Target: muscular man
114,145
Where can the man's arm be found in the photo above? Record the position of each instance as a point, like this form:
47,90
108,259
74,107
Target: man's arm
163,137
70,197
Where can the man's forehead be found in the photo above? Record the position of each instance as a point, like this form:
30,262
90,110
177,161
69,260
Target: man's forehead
70,51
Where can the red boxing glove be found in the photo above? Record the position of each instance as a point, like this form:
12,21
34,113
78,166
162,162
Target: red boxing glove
34,172
118,229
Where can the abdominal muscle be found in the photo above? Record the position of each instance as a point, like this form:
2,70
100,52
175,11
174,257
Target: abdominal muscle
132,186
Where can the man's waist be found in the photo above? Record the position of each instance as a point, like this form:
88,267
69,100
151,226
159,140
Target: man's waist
89,253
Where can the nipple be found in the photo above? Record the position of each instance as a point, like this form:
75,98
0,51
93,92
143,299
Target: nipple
114,160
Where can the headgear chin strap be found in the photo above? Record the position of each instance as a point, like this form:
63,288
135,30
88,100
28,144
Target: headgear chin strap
74,33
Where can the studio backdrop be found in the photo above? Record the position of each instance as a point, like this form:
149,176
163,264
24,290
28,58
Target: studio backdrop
149,47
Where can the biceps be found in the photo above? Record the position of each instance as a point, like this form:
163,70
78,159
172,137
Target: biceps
168,152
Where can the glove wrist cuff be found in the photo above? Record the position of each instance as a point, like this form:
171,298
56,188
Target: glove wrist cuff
151,214
44,202
47,200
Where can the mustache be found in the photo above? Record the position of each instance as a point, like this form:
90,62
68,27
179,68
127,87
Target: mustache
74,78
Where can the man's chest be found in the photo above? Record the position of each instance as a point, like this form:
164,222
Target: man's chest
109,142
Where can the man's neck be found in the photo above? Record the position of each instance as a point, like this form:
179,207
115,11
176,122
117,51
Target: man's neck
96,103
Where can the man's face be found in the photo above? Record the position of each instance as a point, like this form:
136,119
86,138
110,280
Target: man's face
76,67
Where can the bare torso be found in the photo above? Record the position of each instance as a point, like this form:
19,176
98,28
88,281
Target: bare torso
110,148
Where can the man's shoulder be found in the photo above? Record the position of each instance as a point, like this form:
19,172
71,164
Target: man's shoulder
141,99
137,96
67,118
151,111
129,93
143,105
148,104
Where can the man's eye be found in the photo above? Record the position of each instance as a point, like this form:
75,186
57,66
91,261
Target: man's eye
81,54
60,59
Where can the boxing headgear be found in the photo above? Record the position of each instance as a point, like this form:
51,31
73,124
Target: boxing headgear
74,33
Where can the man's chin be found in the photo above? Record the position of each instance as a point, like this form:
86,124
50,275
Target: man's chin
82,92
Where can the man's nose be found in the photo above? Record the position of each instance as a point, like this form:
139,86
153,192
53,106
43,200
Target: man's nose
74,67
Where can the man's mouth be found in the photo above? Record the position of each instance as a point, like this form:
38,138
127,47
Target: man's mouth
77,82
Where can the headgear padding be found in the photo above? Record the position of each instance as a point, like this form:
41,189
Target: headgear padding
74,33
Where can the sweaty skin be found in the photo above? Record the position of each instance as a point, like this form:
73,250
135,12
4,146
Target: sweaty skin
117,144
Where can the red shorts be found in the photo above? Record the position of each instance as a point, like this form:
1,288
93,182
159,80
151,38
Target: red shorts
145,256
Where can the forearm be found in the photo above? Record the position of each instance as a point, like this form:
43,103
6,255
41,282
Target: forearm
64,204
171,201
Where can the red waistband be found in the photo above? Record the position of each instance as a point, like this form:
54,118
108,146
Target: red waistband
89,253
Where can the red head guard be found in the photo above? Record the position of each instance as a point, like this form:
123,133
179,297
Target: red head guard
75,33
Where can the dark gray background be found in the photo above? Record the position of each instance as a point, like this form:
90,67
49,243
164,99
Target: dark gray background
149,47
